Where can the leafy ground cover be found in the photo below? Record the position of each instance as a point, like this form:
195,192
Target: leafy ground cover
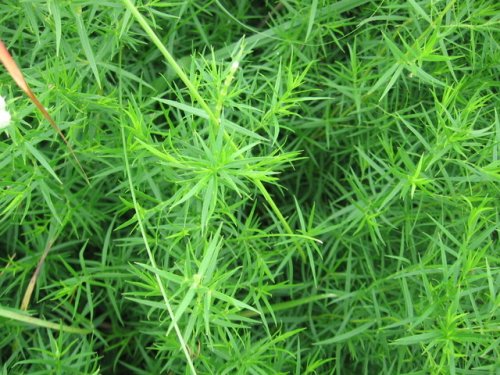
275,187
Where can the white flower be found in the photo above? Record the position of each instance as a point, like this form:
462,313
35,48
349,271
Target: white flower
4,114
4,119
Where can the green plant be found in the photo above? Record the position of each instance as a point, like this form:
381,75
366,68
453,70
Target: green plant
295,187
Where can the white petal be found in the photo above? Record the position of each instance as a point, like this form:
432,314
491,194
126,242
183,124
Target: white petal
4,119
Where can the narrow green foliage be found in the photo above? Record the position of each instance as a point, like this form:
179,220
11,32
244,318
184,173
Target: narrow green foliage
287,187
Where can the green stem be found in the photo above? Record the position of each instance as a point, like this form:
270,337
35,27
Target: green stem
20,317
170,59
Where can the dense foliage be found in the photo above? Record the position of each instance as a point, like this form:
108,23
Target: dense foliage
276,187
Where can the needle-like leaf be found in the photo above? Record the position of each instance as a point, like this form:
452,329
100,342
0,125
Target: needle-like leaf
16,74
